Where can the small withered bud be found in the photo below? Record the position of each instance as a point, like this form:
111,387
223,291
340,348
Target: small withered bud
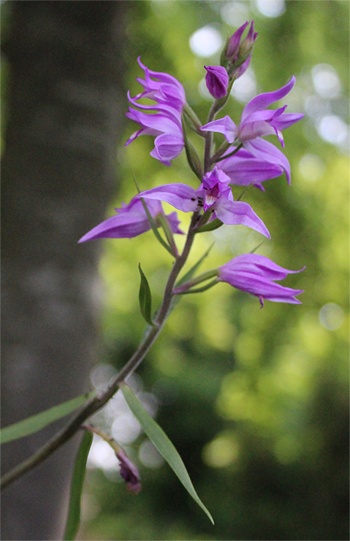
129,472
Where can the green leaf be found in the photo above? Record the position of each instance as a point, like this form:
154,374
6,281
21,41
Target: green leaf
37,422
215,224
163,444
145,298
73,519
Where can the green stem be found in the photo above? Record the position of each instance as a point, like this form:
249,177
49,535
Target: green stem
96,403
195,281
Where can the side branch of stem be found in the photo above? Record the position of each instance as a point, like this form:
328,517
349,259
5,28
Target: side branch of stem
96,403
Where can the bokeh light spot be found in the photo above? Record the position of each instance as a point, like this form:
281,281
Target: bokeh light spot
206,41
326,81
331,316
221,452
149,455
271,8
311,167
244,89
235,13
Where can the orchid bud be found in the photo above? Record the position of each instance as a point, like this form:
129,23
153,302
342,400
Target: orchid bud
248,43
217,81
238,72
233,45
238,51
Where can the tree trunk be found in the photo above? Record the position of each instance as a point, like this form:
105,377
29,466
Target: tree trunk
66,107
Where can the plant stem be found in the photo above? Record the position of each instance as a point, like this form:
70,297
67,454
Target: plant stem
96,403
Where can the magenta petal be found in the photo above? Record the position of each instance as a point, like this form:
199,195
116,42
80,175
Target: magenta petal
130,221
225,125
254,274
264,100
168,146
248,169
119,227
258,285
286,120
264,150
260,265
180,196
240,213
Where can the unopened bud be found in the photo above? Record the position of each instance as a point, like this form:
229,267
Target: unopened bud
233,45
217,81
238,51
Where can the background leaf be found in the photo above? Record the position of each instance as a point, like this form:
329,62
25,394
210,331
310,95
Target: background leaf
73,519
37,422
163,444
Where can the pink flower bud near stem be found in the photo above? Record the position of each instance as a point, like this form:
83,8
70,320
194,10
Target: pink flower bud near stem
217,81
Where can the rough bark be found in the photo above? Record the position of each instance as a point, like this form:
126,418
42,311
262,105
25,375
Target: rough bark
58,174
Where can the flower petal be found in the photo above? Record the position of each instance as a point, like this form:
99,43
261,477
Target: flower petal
264,150
240,213
244,169
264,100
225,125
180,196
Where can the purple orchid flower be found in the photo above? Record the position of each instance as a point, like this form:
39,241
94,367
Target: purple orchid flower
217,81
131,220
215,195
165,125
165,90
244,169
257,122
255,274
129,472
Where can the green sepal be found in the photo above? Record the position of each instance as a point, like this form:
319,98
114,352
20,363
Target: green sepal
211,226
73,519
161,441
145,298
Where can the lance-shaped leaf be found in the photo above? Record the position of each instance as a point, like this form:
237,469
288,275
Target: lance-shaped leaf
37,422
163,444
145,298
73,519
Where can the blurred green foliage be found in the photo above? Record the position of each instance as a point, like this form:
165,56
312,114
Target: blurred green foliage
255,401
